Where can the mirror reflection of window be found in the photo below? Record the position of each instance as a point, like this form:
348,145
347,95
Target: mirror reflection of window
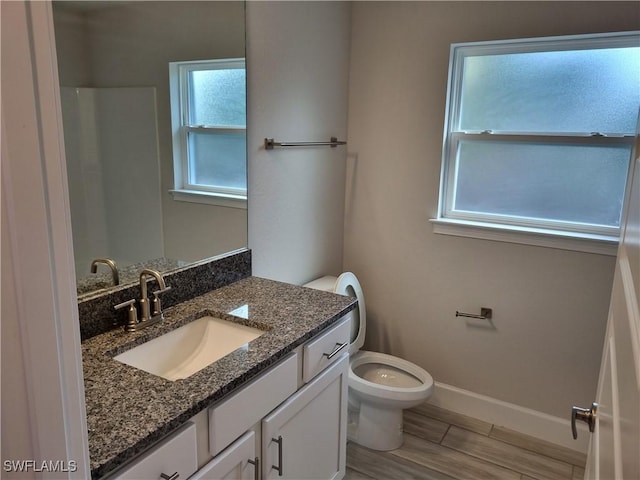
208,104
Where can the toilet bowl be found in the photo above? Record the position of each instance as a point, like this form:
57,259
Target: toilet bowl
381,386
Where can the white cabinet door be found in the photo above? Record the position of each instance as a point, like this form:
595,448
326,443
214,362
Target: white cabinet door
305,438
237,462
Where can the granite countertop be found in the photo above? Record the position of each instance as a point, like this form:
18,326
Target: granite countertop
129,409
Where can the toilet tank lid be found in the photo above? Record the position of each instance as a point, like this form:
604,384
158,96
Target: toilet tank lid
326,283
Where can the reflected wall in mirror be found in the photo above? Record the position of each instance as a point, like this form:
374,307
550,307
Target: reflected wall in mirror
113,62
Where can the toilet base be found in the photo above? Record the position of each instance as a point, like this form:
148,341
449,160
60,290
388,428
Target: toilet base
376,428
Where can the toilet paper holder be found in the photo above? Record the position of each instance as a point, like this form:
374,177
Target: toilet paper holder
485,314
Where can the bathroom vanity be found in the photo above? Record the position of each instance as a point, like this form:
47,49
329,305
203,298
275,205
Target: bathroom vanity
274,408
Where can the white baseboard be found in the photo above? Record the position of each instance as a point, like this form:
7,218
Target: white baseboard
524,420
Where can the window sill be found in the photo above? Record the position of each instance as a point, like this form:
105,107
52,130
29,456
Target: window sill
209,198
599,244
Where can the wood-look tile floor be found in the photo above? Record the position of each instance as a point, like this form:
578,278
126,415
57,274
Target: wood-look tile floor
443,445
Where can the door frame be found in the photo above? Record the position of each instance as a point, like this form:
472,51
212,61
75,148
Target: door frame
38,275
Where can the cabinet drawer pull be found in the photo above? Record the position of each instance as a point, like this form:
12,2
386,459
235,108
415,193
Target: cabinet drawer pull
256,467
175,476
279,466
335,350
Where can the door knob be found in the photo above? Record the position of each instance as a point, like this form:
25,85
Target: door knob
587,415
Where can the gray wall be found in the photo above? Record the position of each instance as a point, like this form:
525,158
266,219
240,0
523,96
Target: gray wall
298,54
550,306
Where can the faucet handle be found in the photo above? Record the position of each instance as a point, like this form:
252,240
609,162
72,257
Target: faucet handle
132,315
157,305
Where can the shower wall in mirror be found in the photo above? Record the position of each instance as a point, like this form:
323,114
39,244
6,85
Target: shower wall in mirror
113,61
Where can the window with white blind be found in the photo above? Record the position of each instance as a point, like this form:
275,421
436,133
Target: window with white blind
538,137
208,111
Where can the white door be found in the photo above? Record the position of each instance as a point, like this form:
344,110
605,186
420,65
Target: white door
614,450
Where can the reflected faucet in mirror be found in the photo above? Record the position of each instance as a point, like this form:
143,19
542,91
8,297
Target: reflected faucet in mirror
109,263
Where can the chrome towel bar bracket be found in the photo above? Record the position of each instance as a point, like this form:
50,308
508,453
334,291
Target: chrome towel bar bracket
270,143
485,314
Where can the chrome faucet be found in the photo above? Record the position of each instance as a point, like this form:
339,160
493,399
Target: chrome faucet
145,310
111,264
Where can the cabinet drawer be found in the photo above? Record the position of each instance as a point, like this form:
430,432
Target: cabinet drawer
316,353
240,411
176,453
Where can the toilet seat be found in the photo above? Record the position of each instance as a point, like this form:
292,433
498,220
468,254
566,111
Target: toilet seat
374,390
386,374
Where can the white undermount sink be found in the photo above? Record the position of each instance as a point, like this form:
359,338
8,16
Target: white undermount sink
190,348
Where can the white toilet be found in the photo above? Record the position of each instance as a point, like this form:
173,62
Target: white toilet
380,386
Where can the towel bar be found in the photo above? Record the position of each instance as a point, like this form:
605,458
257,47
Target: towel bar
270,143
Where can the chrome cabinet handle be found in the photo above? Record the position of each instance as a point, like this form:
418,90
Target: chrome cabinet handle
587,415
335,350
279,466
256,467
175,476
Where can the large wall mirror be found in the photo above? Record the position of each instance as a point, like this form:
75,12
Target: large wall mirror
114,66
